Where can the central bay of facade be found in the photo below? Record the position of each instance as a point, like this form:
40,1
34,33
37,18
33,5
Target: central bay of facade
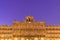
29,30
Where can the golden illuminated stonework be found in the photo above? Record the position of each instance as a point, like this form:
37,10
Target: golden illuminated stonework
29,30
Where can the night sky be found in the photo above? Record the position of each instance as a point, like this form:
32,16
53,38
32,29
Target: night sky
42,10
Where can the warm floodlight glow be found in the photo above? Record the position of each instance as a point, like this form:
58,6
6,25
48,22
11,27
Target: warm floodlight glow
27,39
2,39
58,39
42,38
22,38
36,38
9,39
5,39
15,38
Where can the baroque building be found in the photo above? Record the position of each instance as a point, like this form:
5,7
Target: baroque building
29,30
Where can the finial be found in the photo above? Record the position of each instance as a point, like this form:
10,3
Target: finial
29,19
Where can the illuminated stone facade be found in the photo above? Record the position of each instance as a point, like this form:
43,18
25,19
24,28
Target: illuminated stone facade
29,30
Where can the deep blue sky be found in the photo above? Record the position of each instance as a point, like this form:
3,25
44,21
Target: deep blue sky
42,10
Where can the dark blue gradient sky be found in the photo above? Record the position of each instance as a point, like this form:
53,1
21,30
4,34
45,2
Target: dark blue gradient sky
42,10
